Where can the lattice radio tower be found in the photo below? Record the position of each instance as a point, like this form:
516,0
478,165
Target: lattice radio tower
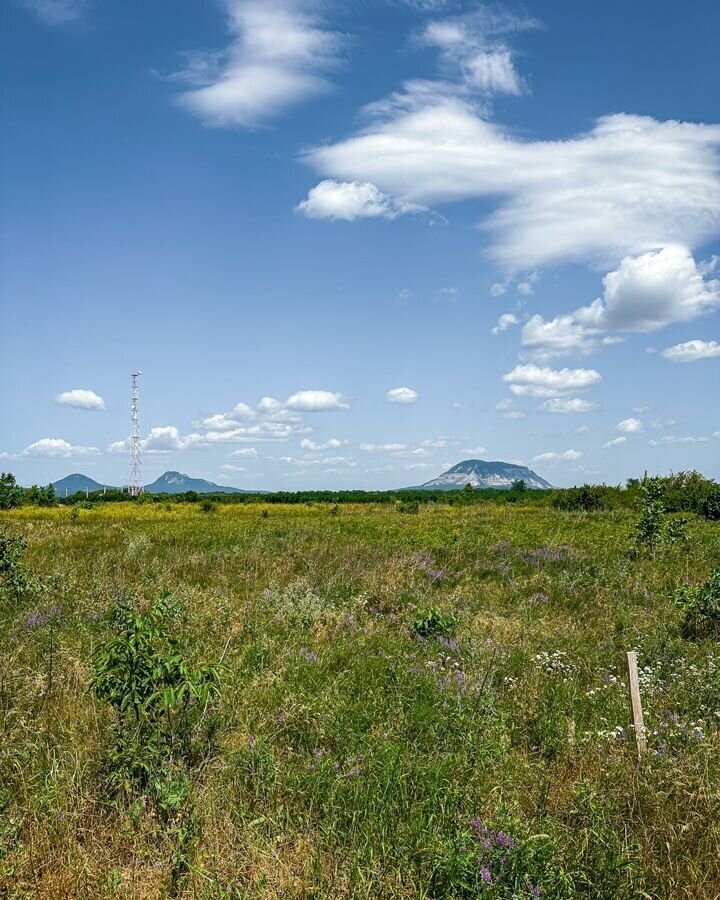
136,479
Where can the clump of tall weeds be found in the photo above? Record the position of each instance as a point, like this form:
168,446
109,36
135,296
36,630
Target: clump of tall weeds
15,580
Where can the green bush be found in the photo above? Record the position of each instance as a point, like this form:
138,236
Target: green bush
700,605
157,698
431,622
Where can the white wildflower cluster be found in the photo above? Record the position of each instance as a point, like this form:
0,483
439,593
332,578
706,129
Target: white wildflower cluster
610,682
296,601
554,663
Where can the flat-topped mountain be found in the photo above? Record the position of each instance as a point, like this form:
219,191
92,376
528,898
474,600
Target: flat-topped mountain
177,483
483,474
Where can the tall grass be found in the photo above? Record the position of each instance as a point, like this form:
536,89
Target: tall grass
414,705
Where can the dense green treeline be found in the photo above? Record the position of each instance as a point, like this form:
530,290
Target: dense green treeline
682,492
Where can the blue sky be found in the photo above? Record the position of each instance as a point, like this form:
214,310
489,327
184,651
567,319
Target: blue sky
351,243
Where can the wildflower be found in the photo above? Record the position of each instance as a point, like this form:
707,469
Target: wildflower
538,598
485,874
309,655
450,644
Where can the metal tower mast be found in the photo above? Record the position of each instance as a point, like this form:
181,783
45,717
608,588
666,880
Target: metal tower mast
136,479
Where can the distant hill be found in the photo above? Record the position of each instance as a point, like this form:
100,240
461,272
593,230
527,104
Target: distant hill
482,474
75,483
177,483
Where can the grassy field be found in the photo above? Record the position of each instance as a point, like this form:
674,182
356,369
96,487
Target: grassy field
411,705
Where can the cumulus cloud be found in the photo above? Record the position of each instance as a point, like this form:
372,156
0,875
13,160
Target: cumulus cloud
331,444
316,401
276,58
404,395
615,442
80,398
574,405
563,456
629,426
57,448
691,351
505,321
534,381
643,294
243,453
351,200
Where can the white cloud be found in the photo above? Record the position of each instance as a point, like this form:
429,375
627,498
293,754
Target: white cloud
80,398
350,200
243,453
384,448
57,448
404,395
645,293
629,426
691,351
507,411
505,321
316,401
473,451
564,456
527,287
672,439
410,466
473,53
56,12
534,381
615,442
229,467
498,289
574,405
629,185
277,53
331,444
456,405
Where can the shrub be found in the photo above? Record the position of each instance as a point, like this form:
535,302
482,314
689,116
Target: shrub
653,530
12,572
157,698
207,506
700,605
711,506
10,491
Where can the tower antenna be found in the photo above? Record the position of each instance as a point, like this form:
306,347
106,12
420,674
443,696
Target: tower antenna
136,479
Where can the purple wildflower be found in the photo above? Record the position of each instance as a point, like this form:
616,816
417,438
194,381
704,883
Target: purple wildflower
309,655
538,598
485,874
450,644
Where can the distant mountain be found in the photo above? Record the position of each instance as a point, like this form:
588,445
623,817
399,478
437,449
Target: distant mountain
75,483
482,474
177,483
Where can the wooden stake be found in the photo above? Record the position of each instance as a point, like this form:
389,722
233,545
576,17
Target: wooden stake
636,703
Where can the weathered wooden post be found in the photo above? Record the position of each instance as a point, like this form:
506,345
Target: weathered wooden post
636,703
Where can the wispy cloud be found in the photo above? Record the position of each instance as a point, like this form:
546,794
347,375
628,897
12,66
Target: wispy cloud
278,52
56,12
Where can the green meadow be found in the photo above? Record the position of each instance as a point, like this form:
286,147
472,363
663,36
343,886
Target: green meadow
359,701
